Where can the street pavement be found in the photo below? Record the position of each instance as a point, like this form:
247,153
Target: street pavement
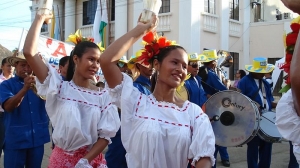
280,156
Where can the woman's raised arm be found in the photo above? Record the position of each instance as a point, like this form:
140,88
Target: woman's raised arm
295,77
30,48
110,57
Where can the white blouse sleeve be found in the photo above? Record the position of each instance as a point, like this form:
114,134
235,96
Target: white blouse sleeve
51,84
287,120
203,138
109,122
125,96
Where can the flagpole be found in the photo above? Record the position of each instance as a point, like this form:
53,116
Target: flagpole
60,38
21,39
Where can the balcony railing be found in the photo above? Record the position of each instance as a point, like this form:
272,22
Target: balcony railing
164,22
235,28
87,30
210,22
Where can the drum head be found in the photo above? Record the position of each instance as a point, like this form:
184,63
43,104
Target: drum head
267,125
182,93
237,118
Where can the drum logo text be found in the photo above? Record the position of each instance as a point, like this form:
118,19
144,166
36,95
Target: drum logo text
226,102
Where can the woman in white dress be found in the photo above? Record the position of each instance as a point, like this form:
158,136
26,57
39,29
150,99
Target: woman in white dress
83,117
159,130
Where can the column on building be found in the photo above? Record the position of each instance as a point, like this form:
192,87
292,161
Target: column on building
121,21
70,8
245,12
138,8
224,25
190,25
121,18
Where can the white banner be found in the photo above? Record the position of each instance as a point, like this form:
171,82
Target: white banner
53,50
277,70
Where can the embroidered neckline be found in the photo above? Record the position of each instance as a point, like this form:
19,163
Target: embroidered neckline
183,108
83,88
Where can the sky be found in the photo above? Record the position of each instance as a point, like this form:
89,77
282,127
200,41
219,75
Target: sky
14,16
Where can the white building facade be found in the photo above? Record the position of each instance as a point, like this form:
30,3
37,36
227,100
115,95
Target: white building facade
246,28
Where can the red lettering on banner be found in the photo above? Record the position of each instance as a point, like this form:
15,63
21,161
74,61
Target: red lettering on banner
48,42
61,50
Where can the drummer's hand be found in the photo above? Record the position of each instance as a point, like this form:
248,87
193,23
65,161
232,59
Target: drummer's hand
147,27
293,5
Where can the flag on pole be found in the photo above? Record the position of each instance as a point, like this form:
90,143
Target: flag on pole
56,26
52,25
97,21
103,23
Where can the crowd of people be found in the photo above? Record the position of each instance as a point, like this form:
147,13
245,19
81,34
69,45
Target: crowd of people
136,111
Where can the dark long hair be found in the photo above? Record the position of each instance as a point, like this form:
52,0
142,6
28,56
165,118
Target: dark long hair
242,73
4,61
163,53
79,50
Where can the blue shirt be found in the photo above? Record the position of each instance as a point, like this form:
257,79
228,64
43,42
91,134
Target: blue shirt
214,82
143,84
27,125
249,88
196,93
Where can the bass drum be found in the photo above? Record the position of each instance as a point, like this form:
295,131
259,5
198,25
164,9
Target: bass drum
182,93
235,118
267,129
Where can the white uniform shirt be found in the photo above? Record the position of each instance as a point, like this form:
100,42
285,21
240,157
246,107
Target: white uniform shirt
160,134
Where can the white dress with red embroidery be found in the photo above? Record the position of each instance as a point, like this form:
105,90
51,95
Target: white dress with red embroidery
288,122
79,116
161,134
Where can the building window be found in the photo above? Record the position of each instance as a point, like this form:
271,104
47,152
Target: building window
257,12
112,10
235,67
44,28
88,12
165,7
210,6
234,9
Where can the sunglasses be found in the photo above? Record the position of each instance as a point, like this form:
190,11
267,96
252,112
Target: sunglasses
194,65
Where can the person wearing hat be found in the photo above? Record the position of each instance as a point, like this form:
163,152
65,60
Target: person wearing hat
141,74
258,89
26,120
193,84
212,84
196,92
122,64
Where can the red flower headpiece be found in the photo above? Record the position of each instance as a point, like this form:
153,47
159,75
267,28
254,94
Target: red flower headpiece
152,47
290,42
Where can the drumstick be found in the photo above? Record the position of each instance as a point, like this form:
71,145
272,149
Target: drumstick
215,118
